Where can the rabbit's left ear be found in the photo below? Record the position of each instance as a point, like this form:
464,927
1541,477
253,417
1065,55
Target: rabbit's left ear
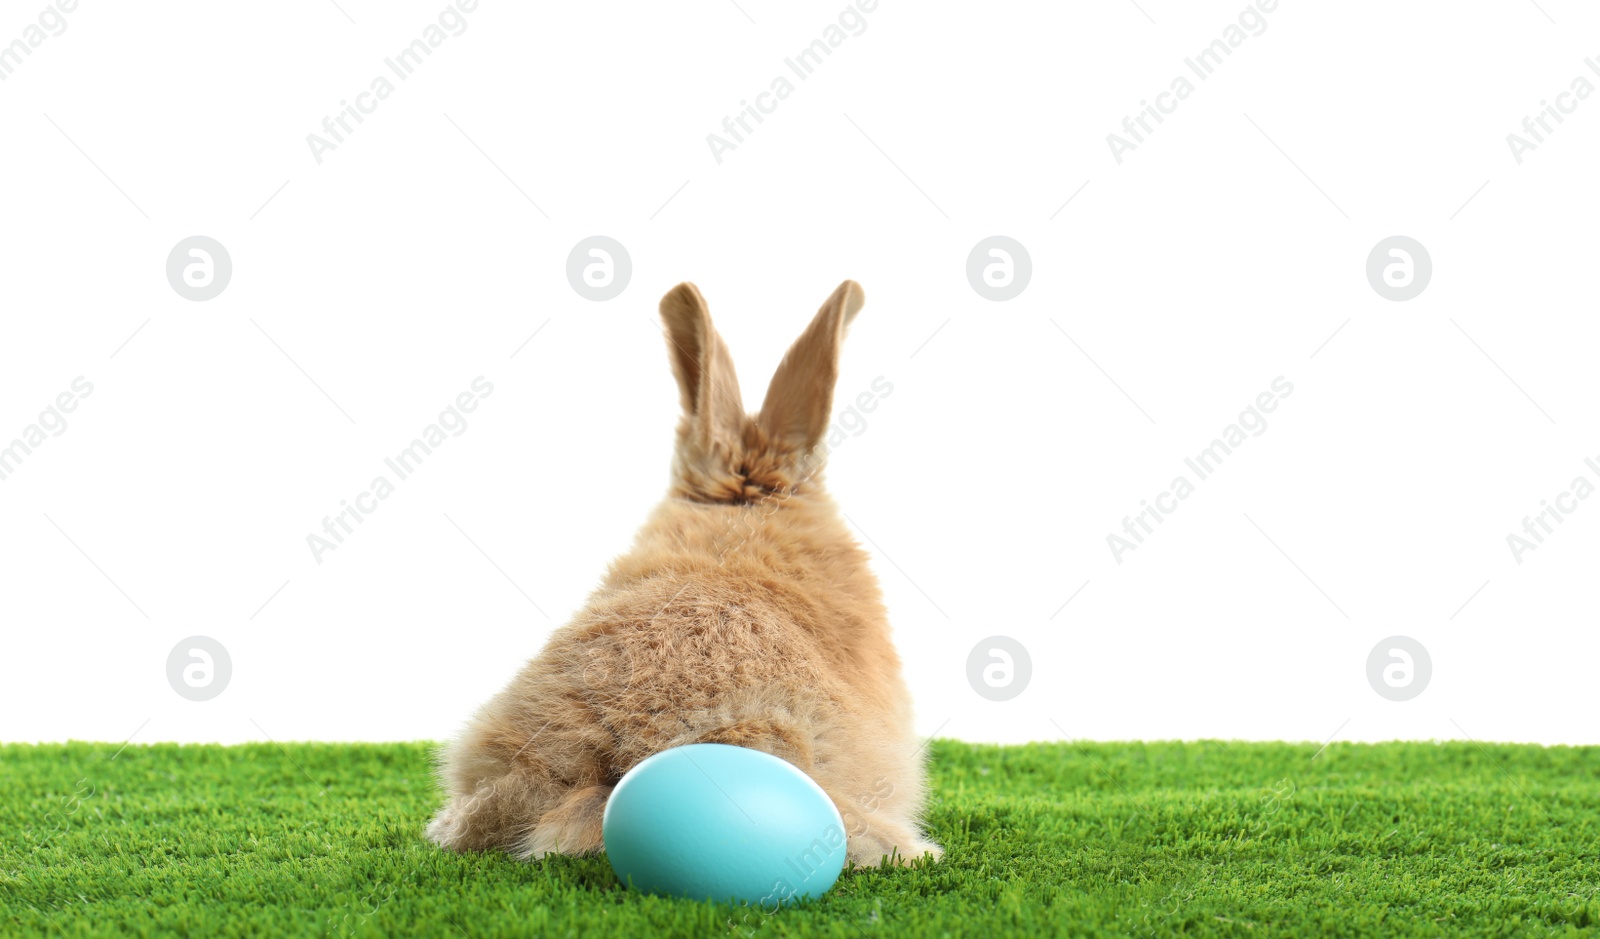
800,398
707,385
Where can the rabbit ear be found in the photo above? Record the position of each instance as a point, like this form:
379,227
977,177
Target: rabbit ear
800,398
707,385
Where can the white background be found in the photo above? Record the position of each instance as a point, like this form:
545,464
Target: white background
409,261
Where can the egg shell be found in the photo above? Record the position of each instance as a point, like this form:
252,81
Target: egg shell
710,821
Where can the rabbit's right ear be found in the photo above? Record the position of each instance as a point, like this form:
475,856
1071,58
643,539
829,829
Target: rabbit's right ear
800,397
707,385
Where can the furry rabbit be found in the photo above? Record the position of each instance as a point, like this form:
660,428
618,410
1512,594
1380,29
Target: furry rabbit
744,614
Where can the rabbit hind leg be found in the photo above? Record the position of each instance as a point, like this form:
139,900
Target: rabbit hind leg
572,827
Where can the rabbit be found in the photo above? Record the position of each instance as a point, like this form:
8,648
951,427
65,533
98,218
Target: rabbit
744,614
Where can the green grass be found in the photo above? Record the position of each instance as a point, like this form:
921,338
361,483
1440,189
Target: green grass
1159,839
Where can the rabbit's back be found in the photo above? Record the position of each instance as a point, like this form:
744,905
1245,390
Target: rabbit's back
711,658
706,626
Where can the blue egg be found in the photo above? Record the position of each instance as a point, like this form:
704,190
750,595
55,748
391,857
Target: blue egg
710,821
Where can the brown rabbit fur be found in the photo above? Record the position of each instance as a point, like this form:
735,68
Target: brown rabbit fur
744,614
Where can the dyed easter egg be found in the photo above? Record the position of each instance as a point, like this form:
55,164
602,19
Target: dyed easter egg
709,821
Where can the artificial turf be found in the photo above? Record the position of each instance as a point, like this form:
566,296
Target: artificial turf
1134,839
